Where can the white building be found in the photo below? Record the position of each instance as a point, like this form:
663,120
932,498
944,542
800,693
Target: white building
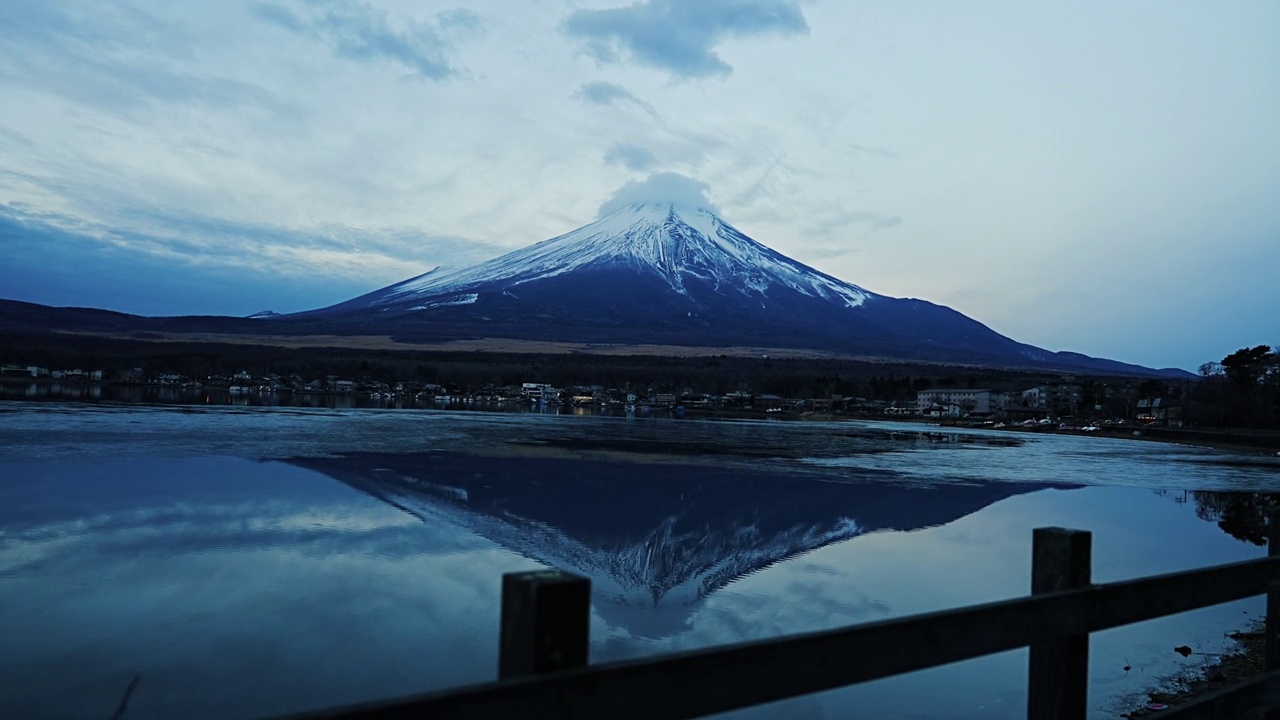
952,402
539,392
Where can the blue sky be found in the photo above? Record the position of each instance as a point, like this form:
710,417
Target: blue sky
1099,177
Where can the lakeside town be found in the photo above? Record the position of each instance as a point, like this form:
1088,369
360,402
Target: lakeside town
1068,397
1232,403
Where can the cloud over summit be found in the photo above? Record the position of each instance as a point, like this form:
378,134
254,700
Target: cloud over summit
664,187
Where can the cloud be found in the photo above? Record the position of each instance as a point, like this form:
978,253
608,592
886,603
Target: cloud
88,57
666,187
187,264
876,221
825,230
630,156
358,31
607,93
459,19
281,16
679,36
882,152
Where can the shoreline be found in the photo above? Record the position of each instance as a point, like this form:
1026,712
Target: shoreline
1246,442
1260,442
1246,661
1266,445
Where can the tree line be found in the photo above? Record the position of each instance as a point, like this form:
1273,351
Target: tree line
466,371
1241,391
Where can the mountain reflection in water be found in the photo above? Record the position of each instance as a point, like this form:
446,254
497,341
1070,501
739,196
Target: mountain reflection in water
655,539
172,543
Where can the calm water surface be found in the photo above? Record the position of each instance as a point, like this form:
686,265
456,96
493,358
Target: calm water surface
241,562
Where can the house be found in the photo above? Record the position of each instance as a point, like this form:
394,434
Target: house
1159,410
695,398
767,401
534,392
1061,396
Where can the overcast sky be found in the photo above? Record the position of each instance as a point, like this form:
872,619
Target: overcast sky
1101,177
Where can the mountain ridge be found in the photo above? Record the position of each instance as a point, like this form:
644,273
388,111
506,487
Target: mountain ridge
668,274
643,275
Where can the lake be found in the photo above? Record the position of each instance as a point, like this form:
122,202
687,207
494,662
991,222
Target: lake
249,561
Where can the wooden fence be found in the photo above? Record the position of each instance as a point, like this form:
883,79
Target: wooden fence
543,670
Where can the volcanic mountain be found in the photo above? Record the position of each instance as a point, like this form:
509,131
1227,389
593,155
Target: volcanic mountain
660,273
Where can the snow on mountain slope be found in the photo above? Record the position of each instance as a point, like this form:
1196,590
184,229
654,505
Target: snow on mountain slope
675,243
666,273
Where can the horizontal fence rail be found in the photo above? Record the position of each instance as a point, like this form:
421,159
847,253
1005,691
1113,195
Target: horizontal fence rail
702,682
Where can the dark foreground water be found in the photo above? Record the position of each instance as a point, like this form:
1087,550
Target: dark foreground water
245,562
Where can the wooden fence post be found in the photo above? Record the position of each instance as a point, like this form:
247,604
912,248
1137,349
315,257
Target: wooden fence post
1058,686
545,623
1272,626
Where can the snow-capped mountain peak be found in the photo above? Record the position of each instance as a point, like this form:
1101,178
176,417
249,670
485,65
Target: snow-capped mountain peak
677,243
675,273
